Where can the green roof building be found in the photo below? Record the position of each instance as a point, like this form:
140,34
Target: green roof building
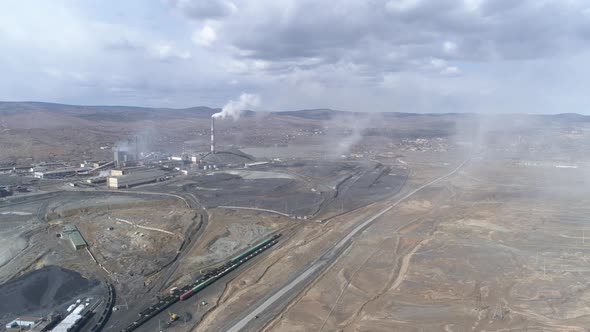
73,234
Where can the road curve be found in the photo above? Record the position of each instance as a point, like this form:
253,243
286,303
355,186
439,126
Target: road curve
326,258
252,208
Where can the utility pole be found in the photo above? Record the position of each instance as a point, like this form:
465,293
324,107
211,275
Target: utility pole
544,267
500,311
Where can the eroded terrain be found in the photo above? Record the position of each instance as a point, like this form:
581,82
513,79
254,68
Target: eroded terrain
482,251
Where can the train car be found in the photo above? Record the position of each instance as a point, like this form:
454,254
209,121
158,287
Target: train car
253,249
205,280
186,295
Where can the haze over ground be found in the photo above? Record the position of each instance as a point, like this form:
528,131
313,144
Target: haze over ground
294,165
405,55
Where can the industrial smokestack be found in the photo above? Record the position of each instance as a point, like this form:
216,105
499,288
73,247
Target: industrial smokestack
136,149
212,135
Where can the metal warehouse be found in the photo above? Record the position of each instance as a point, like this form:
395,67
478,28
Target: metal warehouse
24,321
73,234
58,174
135,179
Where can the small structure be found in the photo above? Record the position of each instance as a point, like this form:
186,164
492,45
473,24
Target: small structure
116,172
96,179
254,164
24,321
73,234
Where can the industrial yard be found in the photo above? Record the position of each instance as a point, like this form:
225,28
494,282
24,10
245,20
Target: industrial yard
428,229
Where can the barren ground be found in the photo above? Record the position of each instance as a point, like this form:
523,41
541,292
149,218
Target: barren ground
483,251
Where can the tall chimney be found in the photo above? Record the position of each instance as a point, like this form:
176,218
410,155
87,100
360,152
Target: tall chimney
136,149
212,135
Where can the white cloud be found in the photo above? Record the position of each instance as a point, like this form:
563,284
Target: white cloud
245,66
449,47
473,5
401,5
450,70
437,63
168,52
204,36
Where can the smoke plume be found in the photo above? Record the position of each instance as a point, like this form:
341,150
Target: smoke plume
234,108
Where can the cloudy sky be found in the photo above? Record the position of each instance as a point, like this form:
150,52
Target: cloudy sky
526,56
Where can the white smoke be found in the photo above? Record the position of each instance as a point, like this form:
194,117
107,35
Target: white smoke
234,108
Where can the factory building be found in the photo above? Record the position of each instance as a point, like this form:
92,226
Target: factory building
24,322
58,173
119,156
125,158
75,314
4,191
101,178
73,234
135,179
6,170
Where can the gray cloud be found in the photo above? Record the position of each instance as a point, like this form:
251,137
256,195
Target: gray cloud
384,55
203,9
495,30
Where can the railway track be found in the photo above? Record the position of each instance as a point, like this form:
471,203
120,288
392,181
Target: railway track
205,280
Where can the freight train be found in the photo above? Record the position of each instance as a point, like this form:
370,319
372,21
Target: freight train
205,280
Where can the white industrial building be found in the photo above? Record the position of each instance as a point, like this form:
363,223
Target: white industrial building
70,319
136,178
24,321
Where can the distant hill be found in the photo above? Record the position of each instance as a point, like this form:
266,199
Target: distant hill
567,117
315,114
105,113
136,113
32,131
328,114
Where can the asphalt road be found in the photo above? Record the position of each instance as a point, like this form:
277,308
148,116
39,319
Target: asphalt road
261,311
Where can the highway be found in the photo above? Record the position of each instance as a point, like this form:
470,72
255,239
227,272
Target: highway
311,272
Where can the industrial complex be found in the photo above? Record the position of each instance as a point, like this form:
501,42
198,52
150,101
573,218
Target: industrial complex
297,222
129,168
